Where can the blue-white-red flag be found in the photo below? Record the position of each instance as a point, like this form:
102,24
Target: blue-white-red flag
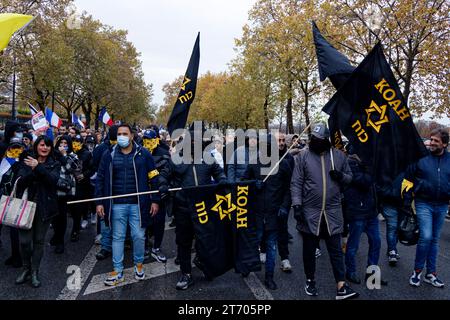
76,121
105,118
52,118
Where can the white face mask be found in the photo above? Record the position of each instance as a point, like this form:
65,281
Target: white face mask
19,135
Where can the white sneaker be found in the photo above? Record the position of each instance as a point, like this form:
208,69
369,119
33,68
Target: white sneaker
286,266
262,257
84,224
98,239
93,218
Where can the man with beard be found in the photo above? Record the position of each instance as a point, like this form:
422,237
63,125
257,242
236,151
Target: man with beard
320,173
430,177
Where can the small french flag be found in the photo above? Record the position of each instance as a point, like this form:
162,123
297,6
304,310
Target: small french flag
33,110
105,118
53,118
77,121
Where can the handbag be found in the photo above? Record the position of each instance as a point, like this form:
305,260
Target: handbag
408,229
15,212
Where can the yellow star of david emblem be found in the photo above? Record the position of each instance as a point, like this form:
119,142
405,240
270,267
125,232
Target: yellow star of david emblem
383,117
185,82
223,213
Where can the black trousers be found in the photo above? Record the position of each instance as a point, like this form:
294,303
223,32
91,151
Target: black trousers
184,233
283,239
311,242
157,227
32,243
60,221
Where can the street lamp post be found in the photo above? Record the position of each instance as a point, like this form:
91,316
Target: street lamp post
13,108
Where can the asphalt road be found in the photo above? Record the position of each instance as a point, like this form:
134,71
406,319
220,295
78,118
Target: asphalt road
161,279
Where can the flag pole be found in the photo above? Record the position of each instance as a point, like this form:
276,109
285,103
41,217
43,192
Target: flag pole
290,148
331,151
152,192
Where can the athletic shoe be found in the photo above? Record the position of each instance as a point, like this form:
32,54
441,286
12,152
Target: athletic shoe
114,278
98,239
185,282
286,266
415,278
158,255
84,224
93,218
262,257
432,279
310,288
139,273
346,293
318,253
393,258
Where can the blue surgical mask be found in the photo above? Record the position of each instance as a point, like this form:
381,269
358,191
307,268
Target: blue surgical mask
123,141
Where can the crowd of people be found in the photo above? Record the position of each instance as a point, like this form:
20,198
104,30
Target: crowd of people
333,196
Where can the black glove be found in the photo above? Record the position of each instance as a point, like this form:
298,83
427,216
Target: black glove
259,184
283,212
163,192
298,213
336,175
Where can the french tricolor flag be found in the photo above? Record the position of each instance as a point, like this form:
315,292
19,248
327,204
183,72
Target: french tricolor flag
77,121
105,118
53,118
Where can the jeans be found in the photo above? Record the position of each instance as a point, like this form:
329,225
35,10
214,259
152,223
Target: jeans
356,228
283,239
270,238
106,232
391,215
122,216
431,218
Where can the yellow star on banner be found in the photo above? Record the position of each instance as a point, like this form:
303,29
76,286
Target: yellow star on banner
185,82
223,213
9,24
383,117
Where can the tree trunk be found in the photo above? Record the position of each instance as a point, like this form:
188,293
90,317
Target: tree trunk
266,112
290,119
306,112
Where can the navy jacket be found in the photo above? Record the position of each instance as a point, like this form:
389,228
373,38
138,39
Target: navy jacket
431,178
360,196
145,174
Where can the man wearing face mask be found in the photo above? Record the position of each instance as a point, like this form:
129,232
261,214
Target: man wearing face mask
127,169
320,173
12,130
161,156
431,189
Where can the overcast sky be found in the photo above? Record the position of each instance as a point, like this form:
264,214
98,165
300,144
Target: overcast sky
164,31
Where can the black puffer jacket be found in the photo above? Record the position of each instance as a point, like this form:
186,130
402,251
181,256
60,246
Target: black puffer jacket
274,195
84,186
360,196
41,183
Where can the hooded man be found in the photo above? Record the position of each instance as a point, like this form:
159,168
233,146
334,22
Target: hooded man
320,173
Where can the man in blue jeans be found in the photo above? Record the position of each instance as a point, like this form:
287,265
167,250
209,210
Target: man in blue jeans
431,188
361,212
128,169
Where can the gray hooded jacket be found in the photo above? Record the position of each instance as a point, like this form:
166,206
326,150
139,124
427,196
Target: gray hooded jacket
319,196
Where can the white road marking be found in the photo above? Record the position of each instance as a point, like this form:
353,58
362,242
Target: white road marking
258,289
86,267
152,270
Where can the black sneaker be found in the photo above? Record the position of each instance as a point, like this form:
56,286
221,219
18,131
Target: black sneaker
270,284
346,293
185,282
158,255
310,288
393,258
102,255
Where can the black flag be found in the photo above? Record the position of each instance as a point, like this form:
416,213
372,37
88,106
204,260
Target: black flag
180,111
337,68
375,118
225,229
